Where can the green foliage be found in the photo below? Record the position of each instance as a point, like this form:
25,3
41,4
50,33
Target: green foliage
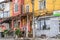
17,32
5,31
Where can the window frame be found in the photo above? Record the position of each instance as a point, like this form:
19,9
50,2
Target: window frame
42,4
27,8
16,7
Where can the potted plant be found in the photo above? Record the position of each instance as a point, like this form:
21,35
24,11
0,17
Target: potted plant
5,33
17,33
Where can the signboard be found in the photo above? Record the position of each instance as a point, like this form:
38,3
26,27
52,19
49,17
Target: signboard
56,13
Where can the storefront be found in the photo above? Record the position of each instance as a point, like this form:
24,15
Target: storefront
47,26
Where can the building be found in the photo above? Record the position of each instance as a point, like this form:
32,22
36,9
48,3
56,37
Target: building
16,8
4,12
47,8
41,8
20,12
15,11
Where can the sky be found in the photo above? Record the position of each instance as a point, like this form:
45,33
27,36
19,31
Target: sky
1,0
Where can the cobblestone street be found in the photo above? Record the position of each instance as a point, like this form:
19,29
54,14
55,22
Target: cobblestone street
28,39
6,39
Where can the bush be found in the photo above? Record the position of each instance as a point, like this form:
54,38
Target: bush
5,31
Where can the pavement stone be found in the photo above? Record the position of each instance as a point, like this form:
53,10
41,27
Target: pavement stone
28,39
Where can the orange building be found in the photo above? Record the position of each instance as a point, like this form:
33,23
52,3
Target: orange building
15,8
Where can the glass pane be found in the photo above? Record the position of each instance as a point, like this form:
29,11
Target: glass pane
27,8
15,7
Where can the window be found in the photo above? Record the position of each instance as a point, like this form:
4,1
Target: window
43,24
1,14
42,4
6,14
15,23
15,7
59,25
2,6
27,8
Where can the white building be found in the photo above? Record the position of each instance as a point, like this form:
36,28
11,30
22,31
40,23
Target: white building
52,26
5,10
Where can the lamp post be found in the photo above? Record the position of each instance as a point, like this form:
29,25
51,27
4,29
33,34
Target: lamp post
33,18
27,27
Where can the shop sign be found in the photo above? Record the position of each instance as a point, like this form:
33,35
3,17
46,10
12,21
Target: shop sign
56,13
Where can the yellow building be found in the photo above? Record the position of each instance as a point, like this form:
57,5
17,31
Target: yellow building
42,7
11,9
28,5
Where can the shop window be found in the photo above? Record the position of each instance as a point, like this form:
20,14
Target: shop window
59,25
43,25
42,4
46,27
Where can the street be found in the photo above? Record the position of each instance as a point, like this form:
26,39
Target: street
6,39
28,39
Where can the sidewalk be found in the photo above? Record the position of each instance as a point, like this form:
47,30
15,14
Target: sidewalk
6,38
28,39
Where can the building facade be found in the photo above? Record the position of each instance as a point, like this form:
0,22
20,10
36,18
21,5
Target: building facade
42,7
5,10
16,8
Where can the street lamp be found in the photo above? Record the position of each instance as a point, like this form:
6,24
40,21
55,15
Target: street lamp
32,1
